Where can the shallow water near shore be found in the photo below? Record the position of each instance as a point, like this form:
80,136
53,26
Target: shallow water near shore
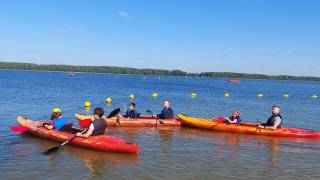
165,153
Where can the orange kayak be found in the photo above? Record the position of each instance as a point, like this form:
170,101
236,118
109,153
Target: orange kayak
100,143
245,128
142,121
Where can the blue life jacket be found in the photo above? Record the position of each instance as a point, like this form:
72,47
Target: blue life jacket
131,113
166,113
59,122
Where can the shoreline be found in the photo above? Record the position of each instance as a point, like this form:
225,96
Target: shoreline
148,75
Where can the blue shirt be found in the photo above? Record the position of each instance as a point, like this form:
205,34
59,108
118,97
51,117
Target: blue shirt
131,113
59,122
166,113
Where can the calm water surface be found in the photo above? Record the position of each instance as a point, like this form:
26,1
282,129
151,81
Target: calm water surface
165,153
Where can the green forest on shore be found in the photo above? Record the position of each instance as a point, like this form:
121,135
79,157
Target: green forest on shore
158,72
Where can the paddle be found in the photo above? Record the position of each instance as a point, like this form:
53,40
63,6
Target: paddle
117,121
258,123
60,147
113,113
150,112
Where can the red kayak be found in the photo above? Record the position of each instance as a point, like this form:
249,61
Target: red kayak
234,80
100,143
142,121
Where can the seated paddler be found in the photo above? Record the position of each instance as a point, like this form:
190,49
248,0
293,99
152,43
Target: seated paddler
166,113
58,121
98,125
131,112
274,121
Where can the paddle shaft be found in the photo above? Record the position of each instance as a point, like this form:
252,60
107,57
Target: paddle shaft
69,140
157,120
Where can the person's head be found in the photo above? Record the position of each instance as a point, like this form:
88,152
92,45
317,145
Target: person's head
275,109
166,104
235,114
132,106
55,115
98,113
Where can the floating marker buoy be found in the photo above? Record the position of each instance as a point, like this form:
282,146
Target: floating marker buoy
314,96
226,94
155,94
108,100
260,95
56,110
193,94
286,95
131,96
87,104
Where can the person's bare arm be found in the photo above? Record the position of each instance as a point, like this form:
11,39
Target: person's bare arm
85,135
48,126
275,125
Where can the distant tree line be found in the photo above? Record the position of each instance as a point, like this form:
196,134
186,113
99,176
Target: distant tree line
158,72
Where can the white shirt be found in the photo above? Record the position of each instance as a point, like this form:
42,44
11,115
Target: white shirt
91,126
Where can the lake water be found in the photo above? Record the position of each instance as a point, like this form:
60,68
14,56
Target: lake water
165,153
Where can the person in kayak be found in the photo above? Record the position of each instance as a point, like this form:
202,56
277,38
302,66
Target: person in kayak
98,125
234,119
274,121
166,113
58,121
131,112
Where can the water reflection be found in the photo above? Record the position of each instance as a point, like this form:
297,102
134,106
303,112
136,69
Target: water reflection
95,162
229,144
166,135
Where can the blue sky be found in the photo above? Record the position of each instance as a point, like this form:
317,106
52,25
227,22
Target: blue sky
251,36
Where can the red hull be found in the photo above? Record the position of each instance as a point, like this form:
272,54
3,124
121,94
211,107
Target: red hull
100,143
234,80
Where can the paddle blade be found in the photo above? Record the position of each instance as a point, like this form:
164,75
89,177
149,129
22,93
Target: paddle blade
85,122
118,121
52,150
19,129
150,112
113,113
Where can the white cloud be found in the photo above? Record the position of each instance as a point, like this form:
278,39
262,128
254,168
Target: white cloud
124,14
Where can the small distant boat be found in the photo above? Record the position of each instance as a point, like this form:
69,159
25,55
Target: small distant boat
234,80
71,74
